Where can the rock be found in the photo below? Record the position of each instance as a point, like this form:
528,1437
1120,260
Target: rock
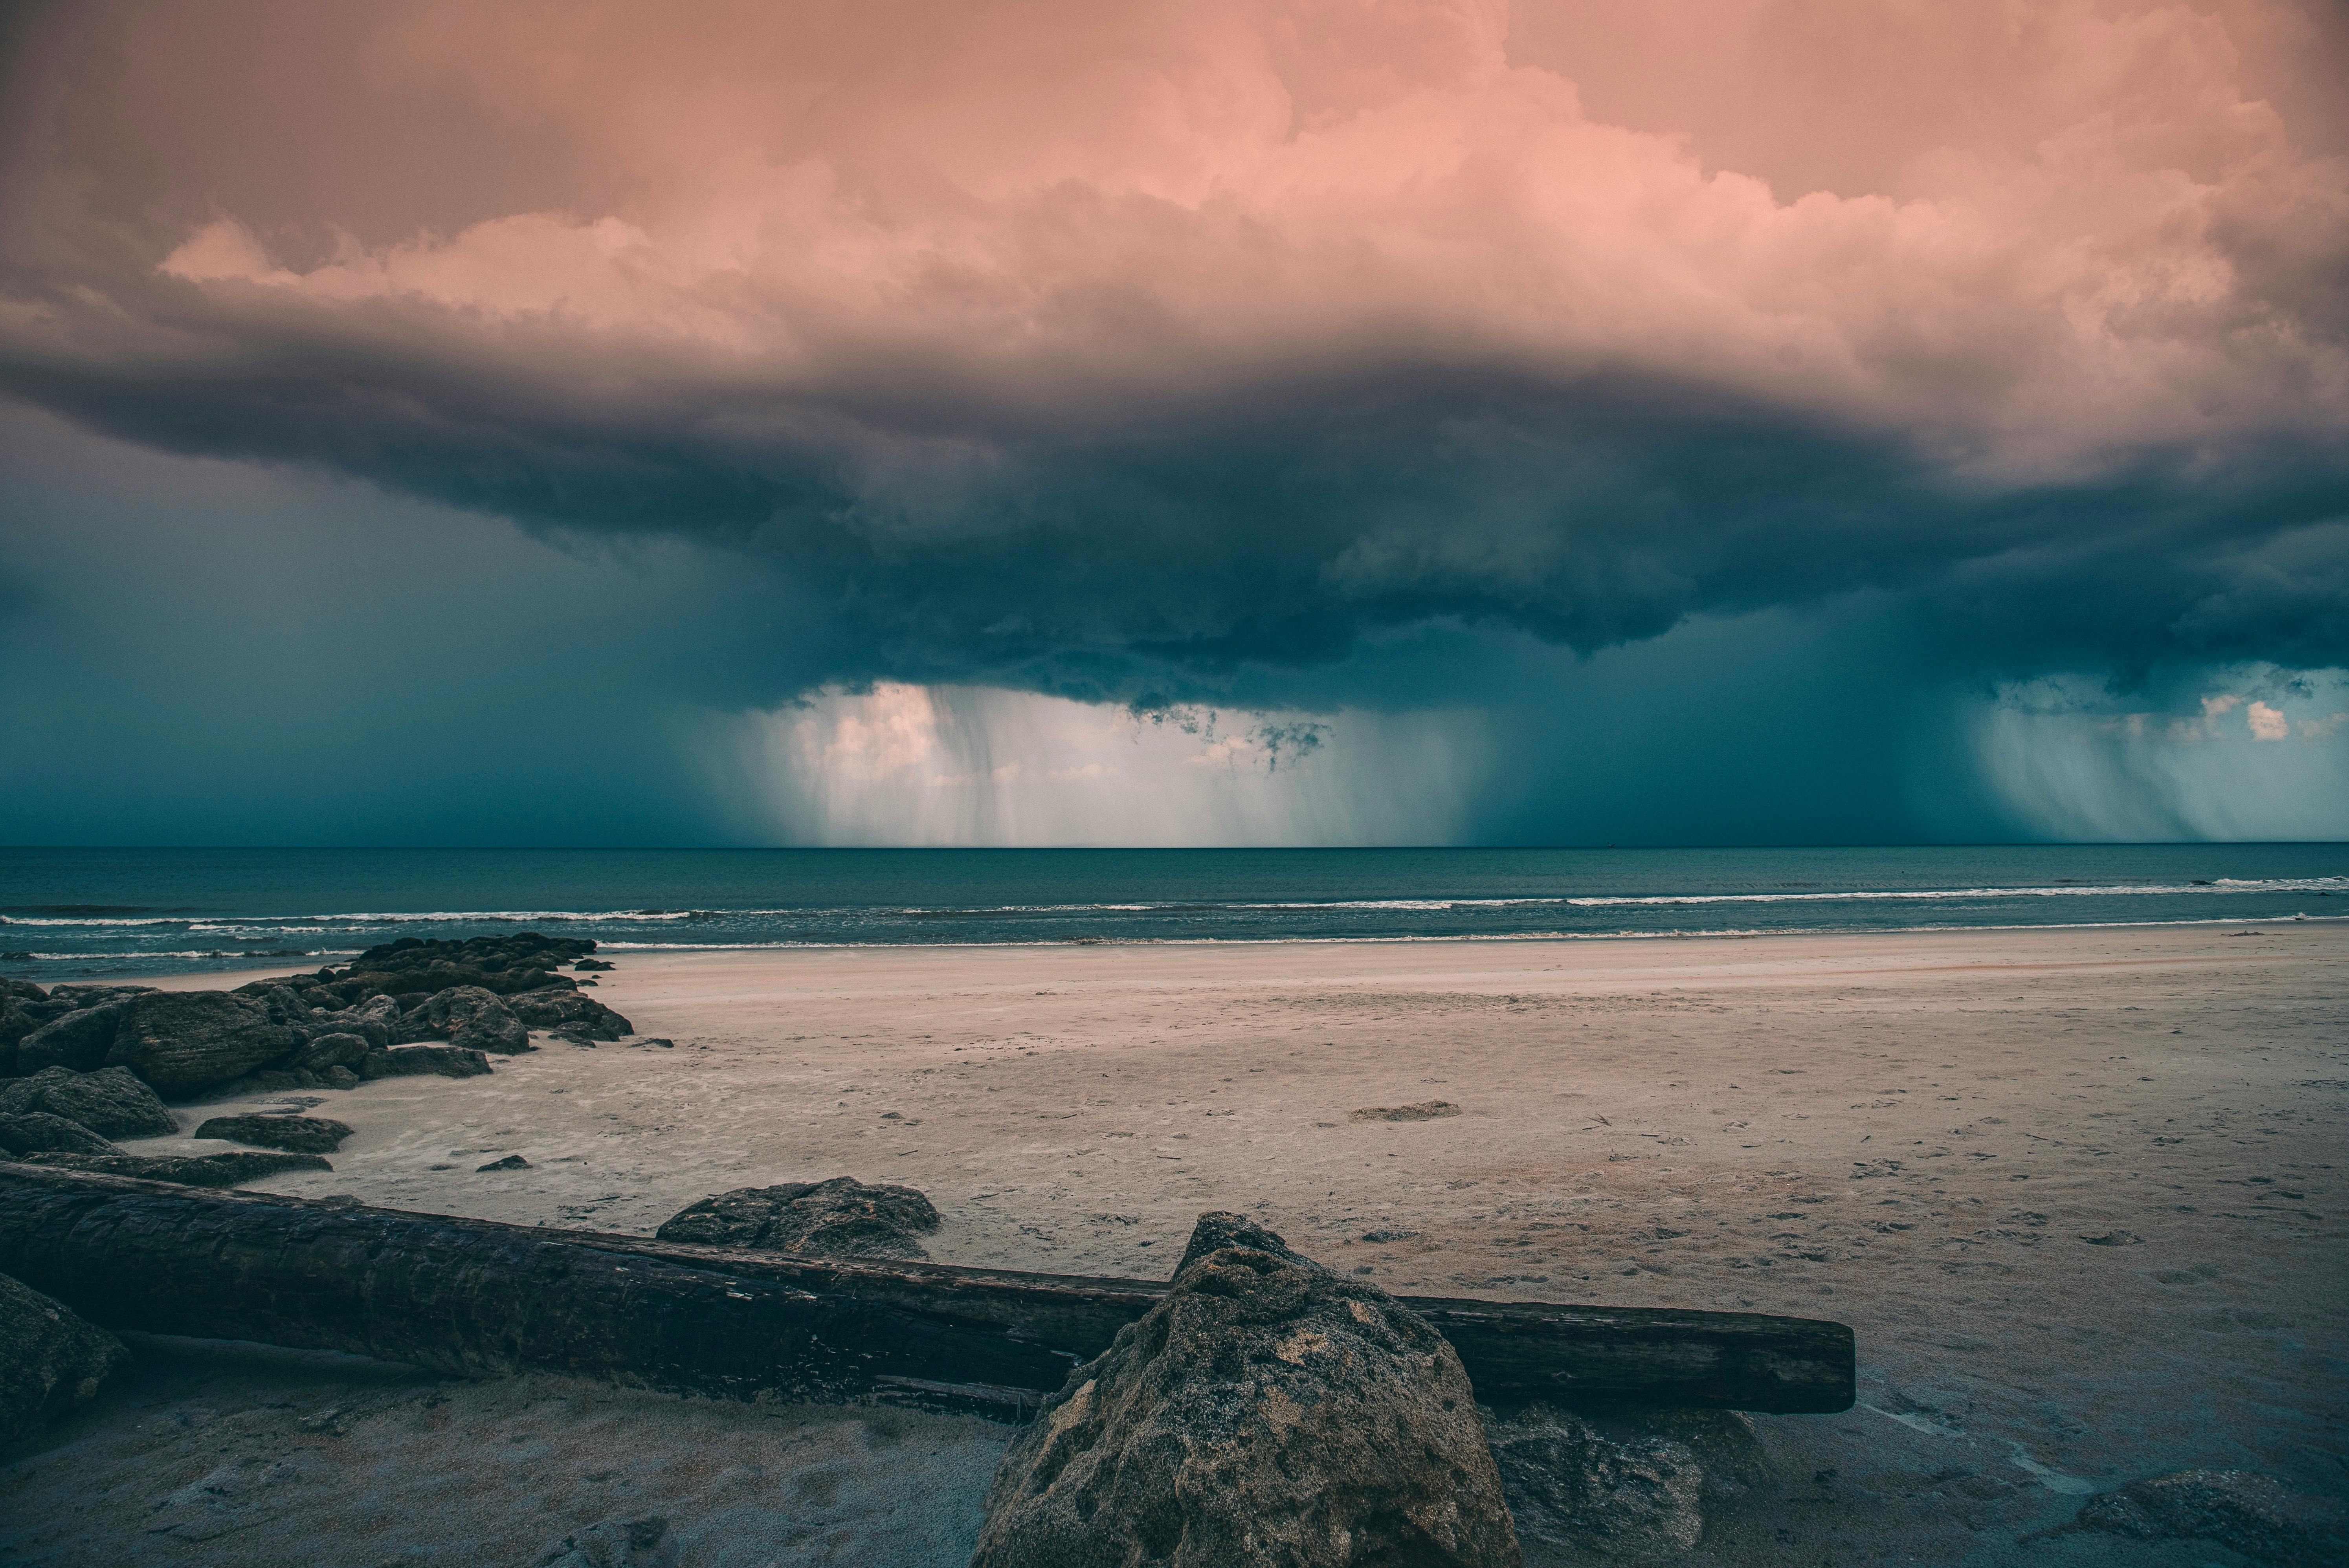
302,1134
188,1170
2249,1513
510,1163
1625,1486
1266,1411
405,1061
15,1023
468,1017
183,1041
645,1542
344,1078
109,1101
368,1028
38,1132
78,1040
326,1051
1426,1110
571,1036
664,1045
591,963
79,994
568,1012
25,990
50,1361
841,1217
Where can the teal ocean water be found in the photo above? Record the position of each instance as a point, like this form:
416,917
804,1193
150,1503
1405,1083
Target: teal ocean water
71,913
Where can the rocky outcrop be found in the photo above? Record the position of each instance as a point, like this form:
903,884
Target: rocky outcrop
1626,1486
38,1132
1266,1411
188,1170
50,1361
21,1011
110,1102
468,1018
183,1042
409,1061
414,968
841,1217
570,1013
300,1134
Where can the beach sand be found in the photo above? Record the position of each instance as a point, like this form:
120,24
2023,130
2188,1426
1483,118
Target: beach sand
2077,1189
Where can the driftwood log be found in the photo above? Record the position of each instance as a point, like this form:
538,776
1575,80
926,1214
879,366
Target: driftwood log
474,1297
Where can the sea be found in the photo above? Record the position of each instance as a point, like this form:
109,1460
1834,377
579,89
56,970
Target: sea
75,913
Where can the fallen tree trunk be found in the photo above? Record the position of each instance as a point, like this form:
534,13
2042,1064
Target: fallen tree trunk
474,1297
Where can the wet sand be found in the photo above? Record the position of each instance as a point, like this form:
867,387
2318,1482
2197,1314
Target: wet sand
2077,1191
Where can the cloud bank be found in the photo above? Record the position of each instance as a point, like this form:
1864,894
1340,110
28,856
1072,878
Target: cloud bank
1210,352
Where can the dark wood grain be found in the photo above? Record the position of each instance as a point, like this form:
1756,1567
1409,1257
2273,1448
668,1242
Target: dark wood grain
476,1296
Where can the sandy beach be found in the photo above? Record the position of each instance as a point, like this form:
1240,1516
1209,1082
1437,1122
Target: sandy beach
2076,1189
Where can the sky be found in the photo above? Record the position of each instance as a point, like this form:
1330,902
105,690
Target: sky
1304,421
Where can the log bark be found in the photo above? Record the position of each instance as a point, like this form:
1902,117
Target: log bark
476,1297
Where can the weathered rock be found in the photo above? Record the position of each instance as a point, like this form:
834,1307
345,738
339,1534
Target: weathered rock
301,1134
325,1051
1267,1411
405,1061
841,1217
2252,1514
50,1360
25,990
590,963
188,1170
183,1041
645,1542
568,1012
15,1023
1622,1487
109,1101
77,993
78,1040
383,1012
510,1163
344,1077
39,1132
469,1017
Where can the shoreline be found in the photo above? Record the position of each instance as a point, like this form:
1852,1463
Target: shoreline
2077,1189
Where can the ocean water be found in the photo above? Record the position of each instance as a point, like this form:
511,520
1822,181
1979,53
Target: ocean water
67,913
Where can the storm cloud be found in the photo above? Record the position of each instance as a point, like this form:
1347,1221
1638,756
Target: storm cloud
1196,354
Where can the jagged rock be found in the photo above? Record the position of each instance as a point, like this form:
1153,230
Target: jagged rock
110,1101
645,1542
326,1051
50,1360
78,1040
2249,1513
301,1134
188,1170
39,1132
568,1012
407,1061
183,1041
510,1163
1622,1487
1267,1411
841,1217
469,1017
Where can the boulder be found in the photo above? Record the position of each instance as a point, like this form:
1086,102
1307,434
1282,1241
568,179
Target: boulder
301,1134
569,1014
2252,1513
188,1170
25,990
78,1040
15,1023
510,1163
325,1051
39,1132
405,1061
50,1361
1623,1485
841,1217
1266,1411
79,994
109,1101
468,1017
183,1041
